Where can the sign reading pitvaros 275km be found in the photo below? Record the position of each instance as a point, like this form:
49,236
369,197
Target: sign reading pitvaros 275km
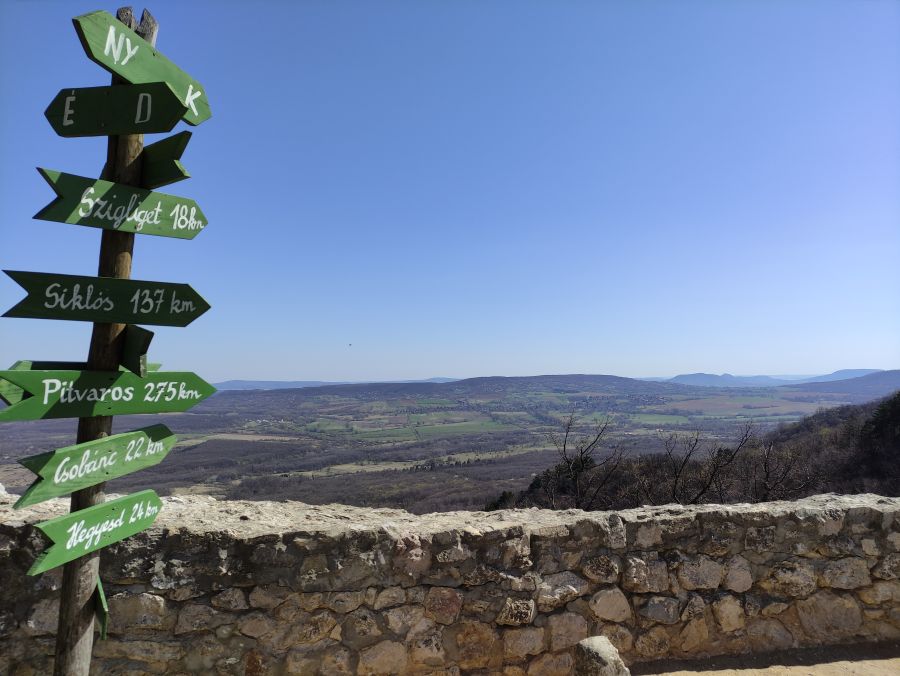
152,96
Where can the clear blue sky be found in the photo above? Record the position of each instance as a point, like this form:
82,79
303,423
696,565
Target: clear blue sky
497,188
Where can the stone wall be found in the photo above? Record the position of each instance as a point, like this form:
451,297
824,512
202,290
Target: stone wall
272,588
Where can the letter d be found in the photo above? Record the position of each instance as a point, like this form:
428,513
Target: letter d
142,97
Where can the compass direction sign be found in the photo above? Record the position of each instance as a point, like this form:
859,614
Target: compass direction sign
104,299
160,161
122,109
72,468
114,206
79,533
111,44
83,394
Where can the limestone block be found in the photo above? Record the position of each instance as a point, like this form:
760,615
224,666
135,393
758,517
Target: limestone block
551,664
386,657
518,643
230,599
604,569
738,576
344,602
256,624
660,609
360,628
729,613
597,656
791,578
400,620
882,591
127,611
611,604
769,634
694,608
694,634
425,644
849,573
516,612
826,616
477,645
653,643
700,573
442,604
43,618
619,636
558,589
645,574
566,629
390,597
889,568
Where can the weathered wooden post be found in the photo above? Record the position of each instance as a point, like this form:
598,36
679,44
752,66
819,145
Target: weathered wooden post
148,94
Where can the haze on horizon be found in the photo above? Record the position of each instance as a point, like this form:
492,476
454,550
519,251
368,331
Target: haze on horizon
409,190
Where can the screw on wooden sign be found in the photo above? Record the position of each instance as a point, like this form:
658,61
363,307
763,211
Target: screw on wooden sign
72,468
79,533
82,394
160,163
112,45
101,299
113,206
100,111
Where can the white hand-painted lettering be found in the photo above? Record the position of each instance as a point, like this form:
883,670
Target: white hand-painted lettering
143,98
86,466
114,44
106,210
67,110
91,536
191,96
67,393
58,297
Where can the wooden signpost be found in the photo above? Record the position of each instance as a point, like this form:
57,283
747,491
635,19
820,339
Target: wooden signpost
98,299
116,378
102,111
121,51
114,206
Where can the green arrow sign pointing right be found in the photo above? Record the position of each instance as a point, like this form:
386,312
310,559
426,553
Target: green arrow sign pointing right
110,111
79,533
75,467
112,45
105,300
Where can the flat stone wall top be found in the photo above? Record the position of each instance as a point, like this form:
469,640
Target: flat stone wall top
253,519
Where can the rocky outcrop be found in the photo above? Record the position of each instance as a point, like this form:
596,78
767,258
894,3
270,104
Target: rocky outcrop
288,588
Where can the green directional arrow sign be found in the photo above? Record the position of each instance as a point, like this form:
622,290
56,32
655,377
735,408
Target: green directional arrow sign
131,350
118,49
160,163
113,206
79,533
70,469
103,299
109,111
83,394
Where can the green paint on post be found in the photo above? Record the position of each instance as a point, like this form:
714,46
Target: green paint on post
112,206
110,111
160,163
105,300
101,609
112,45
79,533
82,394
72,468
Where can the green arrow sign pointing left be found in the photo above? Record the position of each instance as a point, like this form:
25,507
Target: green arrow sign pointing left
114,206
70,469
79,533
112,45
109,111
83,394
103,299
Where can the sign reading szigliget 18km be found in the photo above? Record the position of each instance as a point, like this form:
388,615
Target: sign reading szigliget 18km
83,394
112,45
114,206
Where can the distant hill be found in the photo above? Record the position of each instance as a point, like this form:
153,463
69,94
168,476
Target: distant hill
728,380
298,384
878,384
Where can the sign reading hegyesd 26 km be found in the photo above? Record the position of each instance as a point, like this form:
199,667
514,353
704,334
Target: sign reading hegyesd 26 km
113,206
111,44
103,299
72,468
83,394
79,533
109,111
